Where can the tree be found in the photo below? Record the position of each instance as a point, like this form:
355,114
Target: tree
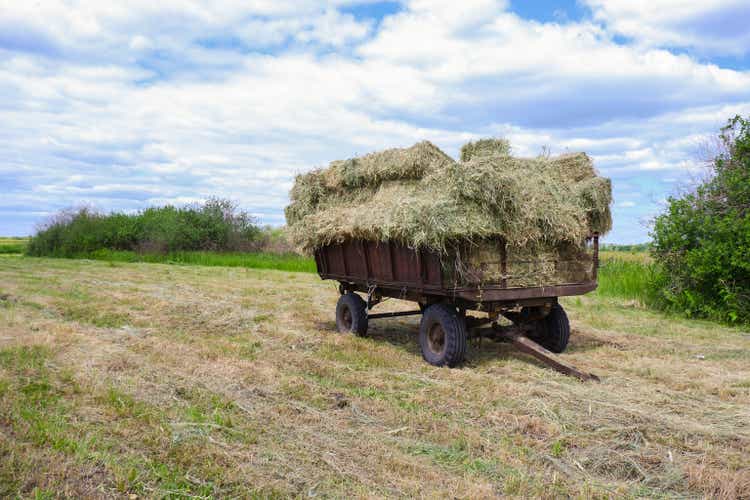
702,241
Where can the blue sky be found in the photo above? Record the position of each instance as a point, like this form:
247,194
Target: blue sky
121,106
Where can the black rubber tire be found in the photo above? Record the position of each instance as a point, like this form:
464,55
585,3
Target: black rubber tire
553,331
351,314
441,320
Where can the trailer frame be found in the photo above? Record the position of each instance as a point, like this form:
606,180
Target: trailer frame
381,270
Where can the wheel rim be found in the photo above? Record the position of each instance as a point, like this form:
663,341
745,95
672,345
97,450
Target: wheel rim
346,319
436,339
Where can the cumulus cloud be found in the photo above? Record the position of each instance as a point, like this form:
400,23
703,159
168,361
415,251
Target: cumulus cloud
541,74
126,106
708,26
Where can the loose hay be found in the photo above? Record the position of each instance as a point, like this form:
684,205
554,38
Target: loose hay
661,424
485,147
421,197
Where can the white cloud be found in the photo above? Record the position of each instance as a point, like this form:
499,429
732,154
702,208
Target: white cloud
136,107
335,28
91,30
708,26
140,42
545,74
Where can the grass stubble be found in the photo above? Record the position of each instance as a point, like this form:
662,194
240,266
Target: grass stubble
172,381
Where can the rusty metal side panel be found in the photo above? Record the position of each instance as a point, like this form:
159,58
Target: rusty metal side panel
354,258
431,264
398,269
365,258
334,257
380,262
405,265
320,261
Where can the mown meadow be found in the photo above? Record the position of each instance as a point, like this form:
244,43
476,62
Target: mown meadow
122,379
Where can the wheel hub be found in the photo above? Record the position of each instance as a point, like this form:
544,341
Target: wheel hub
347,319
436,339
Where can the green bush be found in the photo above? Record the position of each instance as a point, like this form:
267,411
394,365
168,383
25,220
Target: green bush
702,241
215,225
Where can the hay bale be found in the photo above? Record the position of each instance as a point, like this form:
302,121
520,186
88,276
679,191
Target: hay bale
420,197
573,167
306,195
485,147
389,165
548,265
531,196
346,182
594,196
480,264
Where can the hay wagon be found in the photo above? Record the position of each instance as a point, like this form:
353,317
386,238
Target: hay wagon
487,278
492,233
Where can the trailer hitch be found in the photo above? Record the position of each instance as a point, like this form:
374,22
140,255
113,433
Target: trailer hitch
516,336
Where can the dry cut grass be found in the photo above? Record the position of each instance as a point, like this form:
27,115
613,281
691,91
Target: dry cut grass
165,381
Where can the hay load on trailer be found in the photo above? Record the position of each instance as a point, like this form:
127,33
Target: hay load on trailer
491,233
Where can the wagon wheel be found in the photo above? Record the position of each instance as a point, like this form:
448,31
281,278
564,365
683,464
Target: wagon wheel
442,336
552,331
351,314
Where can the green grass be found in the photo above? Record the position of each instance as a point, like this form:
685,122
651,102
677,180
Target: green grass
630,256
12,249
234,384
626,278
280,262
38,405
9,246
